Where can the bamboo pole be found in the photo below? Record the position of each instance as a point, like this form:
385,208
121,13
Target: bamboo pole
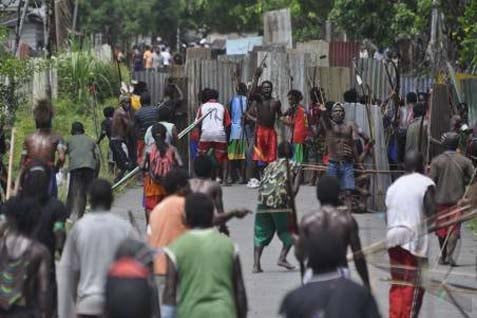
381,245
10,164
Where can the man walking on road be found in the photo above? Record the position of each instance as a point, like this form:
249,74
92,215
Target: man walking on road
214,130
203,269
409,203
328,294
203,183
88,253
144,118
273,209
121,130
339,220
452,172
84,163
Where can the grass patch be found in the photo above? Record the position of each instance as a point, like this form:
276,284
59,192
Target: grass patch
66,112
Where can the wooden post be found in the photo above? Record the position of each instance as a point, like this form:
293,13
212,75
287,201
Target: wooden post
10,164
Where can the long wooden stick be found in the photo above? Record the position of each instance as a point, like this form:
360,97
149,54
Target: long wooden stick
189,128
10,164
381,245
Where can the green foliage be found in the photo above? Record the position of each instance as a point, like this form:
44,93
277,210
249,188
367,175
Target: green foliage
468,37
79,70
65,114
120,20
13,74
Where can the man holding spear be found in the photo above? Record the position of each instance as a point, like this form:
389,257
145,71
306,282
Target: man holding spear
264,111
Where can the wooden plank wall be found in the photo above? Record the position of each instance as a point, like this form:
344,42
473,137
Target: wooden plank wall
334,81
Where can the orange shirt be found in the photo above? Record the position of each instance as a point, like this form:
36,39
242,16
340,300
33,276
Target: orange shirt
167,223
147,57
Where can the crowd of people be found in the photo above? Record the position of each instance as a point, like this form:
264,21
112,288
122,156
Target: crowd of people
186,265
152,58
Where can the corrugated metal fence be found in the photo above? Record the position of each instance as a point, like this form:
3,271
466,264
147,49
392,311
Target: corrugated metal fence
343,53
415,84
469,89
156,83
373,74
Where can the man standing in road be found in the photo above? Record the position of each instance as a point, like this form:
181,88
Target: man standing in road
273,209
44,144
295,117
238,141
88,253
203,269
328,294
214,130
409,203
120,133
341,148
452,172
144,118
84,163
264,112
339,220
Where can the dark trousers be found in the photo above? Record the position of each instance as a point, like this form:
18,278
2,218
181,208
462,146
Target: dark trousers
119,156
80,179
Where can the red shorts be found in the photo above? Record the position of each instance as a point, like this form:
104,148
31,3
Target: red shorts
265,148
220,149
445,209
140,145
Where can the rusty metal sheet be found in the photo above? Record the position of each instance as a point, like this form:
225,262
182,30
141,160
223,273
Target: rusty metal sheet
343,53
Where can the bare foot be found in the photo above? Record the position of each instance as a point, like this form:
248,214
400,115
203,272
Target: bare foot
285,264
257,269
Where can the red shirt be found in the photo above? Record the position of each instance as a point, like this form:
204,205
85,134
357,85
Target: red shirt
299,125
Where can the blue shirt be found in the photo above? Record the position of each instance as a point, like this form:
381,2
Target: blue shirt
238,107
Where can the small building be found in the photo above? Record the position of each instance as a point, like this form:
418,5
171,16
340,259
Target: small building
32,36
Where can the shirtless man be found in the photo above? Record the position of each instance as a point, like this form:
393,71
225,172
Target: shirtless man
339,220
25,261
264,111
120,133
341,148
203,183
44,144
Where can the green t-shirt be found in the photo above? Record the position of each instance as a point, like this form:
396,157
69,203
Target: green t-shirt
204,261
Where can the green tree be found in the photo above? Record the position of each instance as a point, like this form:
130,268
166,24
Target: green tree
13,72
468,35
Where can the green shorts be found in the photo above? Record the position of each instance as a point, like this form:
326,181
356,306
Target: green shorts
236,149
266,224
298,153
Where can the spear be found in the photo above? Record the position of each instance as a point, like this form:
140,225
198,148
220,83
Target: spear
289,184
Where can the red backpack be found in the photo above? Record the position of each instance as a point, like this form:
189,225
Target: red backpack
159,165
